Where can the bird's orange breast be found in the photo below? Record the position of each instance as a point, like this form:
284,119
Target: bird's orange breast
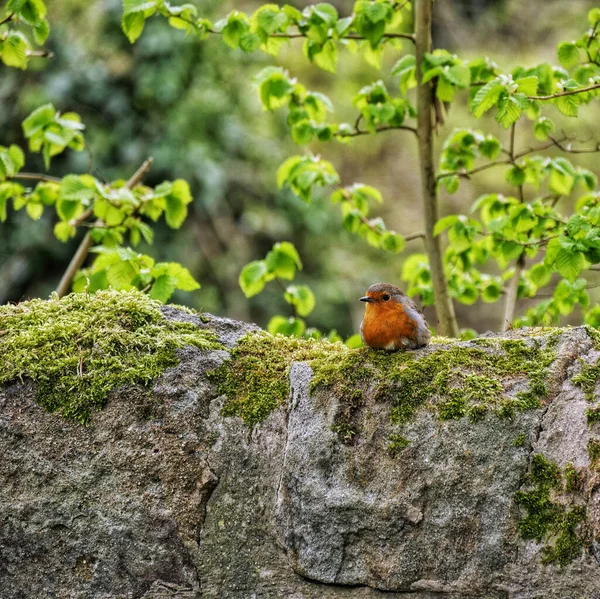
385,324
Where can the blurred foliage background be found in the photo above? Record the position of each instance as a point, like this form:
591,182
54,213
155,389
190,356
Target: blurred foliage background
191,105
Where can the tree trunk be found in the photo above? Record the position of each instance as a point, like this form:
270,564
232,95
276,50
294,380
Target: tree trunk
447,325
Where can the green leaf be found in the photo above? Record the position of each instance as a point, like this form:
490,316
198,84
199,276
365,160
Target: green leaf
302,297
509,110
233,31
490,147
527,85
13,50
542,128
283,260
568,54
487,97
327,57
594,16
34,210
132,6
274,87
121,275
327,12
459,75
569,263
249,43
38,119
392,242
540,275
444,223
283,172
162,289
302,133
253,277
491,292
133,25
290,327
77,188
515,176
568,105
63,231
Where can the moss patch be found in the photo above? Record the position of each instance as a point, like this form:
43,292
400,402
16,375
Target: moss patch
559,527
397,444
78,348
453,380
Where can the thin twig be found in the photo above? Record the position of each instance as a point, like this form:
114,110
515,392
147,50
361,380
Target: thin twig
511,294
39,53
36,177
358,132
559,145
419,235
7,18
296,35
566,93
467,174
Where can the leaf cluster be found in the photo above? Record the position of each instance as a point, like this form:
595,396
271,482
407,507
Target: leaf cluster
22,21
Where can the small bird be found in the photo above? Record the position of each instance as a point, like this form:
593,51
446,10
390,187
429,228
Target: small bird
392,320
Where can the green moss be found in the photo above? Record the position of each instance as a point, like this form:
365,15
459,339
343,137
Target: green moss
547,520
573,480
453,380
78,348
397,444
593,448
520,440
593,415
587,379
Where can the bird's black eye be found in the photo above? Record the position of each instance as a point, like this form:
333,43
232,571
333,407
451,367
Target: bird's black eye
386,297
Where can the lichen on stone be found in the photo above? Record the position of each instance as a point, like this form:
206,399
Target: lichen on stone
453,379
76,349
550,521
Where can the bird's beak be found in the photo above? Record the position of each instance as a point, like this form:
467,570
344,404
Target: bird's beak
367,299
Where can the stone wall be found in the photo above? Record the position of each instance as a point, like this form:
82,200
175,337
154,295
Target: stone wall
162,496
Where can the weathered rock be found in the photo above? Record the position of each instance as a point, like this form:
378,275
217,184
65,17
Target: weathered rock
163,497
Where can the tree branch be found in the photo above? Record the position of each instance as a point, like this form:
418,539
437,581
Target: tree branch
419,235
566,93
298,34
559,145
513,157
358,131
36,177
39,54
8,18
511,294
444,307
86,243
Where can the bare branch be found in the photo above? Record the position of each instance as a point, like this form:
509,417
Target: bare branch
39,54
419,235
8,18
139,174
358,131
558,144
511,294
467,174
36,177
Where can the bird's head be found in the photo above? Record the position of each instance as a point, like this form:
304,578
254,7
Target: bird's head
381,296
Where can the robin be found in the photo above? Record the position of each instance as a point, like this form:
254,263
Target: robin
392,320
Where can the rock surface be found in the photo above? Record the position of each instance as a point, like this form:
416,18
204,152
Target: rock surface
163,497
